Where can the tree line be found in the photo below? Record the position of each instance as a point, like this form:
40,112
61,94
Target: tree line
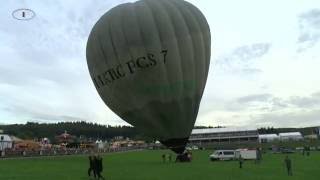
33,130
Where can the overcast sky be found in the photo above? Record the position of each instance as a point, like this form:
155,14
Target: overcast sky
264,71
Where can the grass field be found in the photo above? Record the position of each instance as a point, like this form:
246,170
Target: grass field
147,165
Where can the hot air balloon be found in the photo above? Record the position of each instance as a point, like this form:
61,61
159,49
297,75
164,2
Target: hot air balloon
149,62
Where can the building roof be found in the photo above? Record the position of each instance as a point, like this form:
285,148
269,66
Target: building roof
5,137
221,130
15,139
290,134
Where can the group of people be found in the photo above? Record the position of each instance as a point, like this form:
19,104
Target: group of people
186,156
306,151
95,166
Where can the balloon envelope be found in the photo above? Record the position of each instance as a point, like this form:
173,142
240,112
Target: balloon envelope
149,62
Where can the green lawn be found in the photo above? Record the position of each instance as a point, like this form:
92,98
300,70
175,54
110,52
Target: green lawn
147,165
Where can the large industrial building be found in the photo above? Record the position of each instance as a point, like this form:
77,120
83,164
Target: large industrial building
233,136
224,135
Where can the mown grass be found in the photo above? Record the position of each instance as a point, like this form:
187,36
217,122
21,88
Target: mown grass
148,165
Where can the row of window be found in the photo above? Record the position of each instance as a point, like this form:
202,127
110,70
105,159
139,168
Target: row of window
226,139
245,133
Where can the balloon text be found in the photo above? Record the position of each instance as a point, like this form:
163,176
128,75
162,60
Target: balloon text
130,67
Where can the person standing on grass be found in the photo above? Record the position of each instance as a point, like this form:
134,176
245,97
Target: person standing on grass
99,167
94,166
190,156
288,164
258,155
240,162
308,151
163,158
91,166
169,157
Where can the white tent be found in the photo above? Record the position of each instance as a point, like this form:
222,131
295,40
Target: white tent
263,138
5,142
295,136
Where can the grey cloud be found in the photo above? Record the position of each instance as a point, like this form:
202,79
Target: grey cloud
43,69
50,47
251,70
246,53
275,103
305,102
307,41
59,29
316,94
234,106
311,38
310,18
38,115
55,118
279,103
294,119
256,98
260,102
270,103
309,25
241,59
270,110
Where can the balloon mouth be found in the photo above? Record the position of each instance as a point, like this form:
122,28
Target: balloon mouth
177,145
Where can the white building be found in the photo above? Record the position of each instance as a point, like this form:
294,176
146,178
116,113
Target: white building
5,142
265,138
293,136
224,135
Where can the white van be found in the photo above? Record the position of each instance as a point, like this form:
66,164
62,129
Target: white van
246,154
222,155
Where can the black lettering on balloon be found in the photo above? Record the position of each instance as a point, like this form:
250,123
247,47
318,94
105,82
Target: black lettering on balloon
164,52
112,74
131,65
120,71
141,63
105,77
152,59
101,81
